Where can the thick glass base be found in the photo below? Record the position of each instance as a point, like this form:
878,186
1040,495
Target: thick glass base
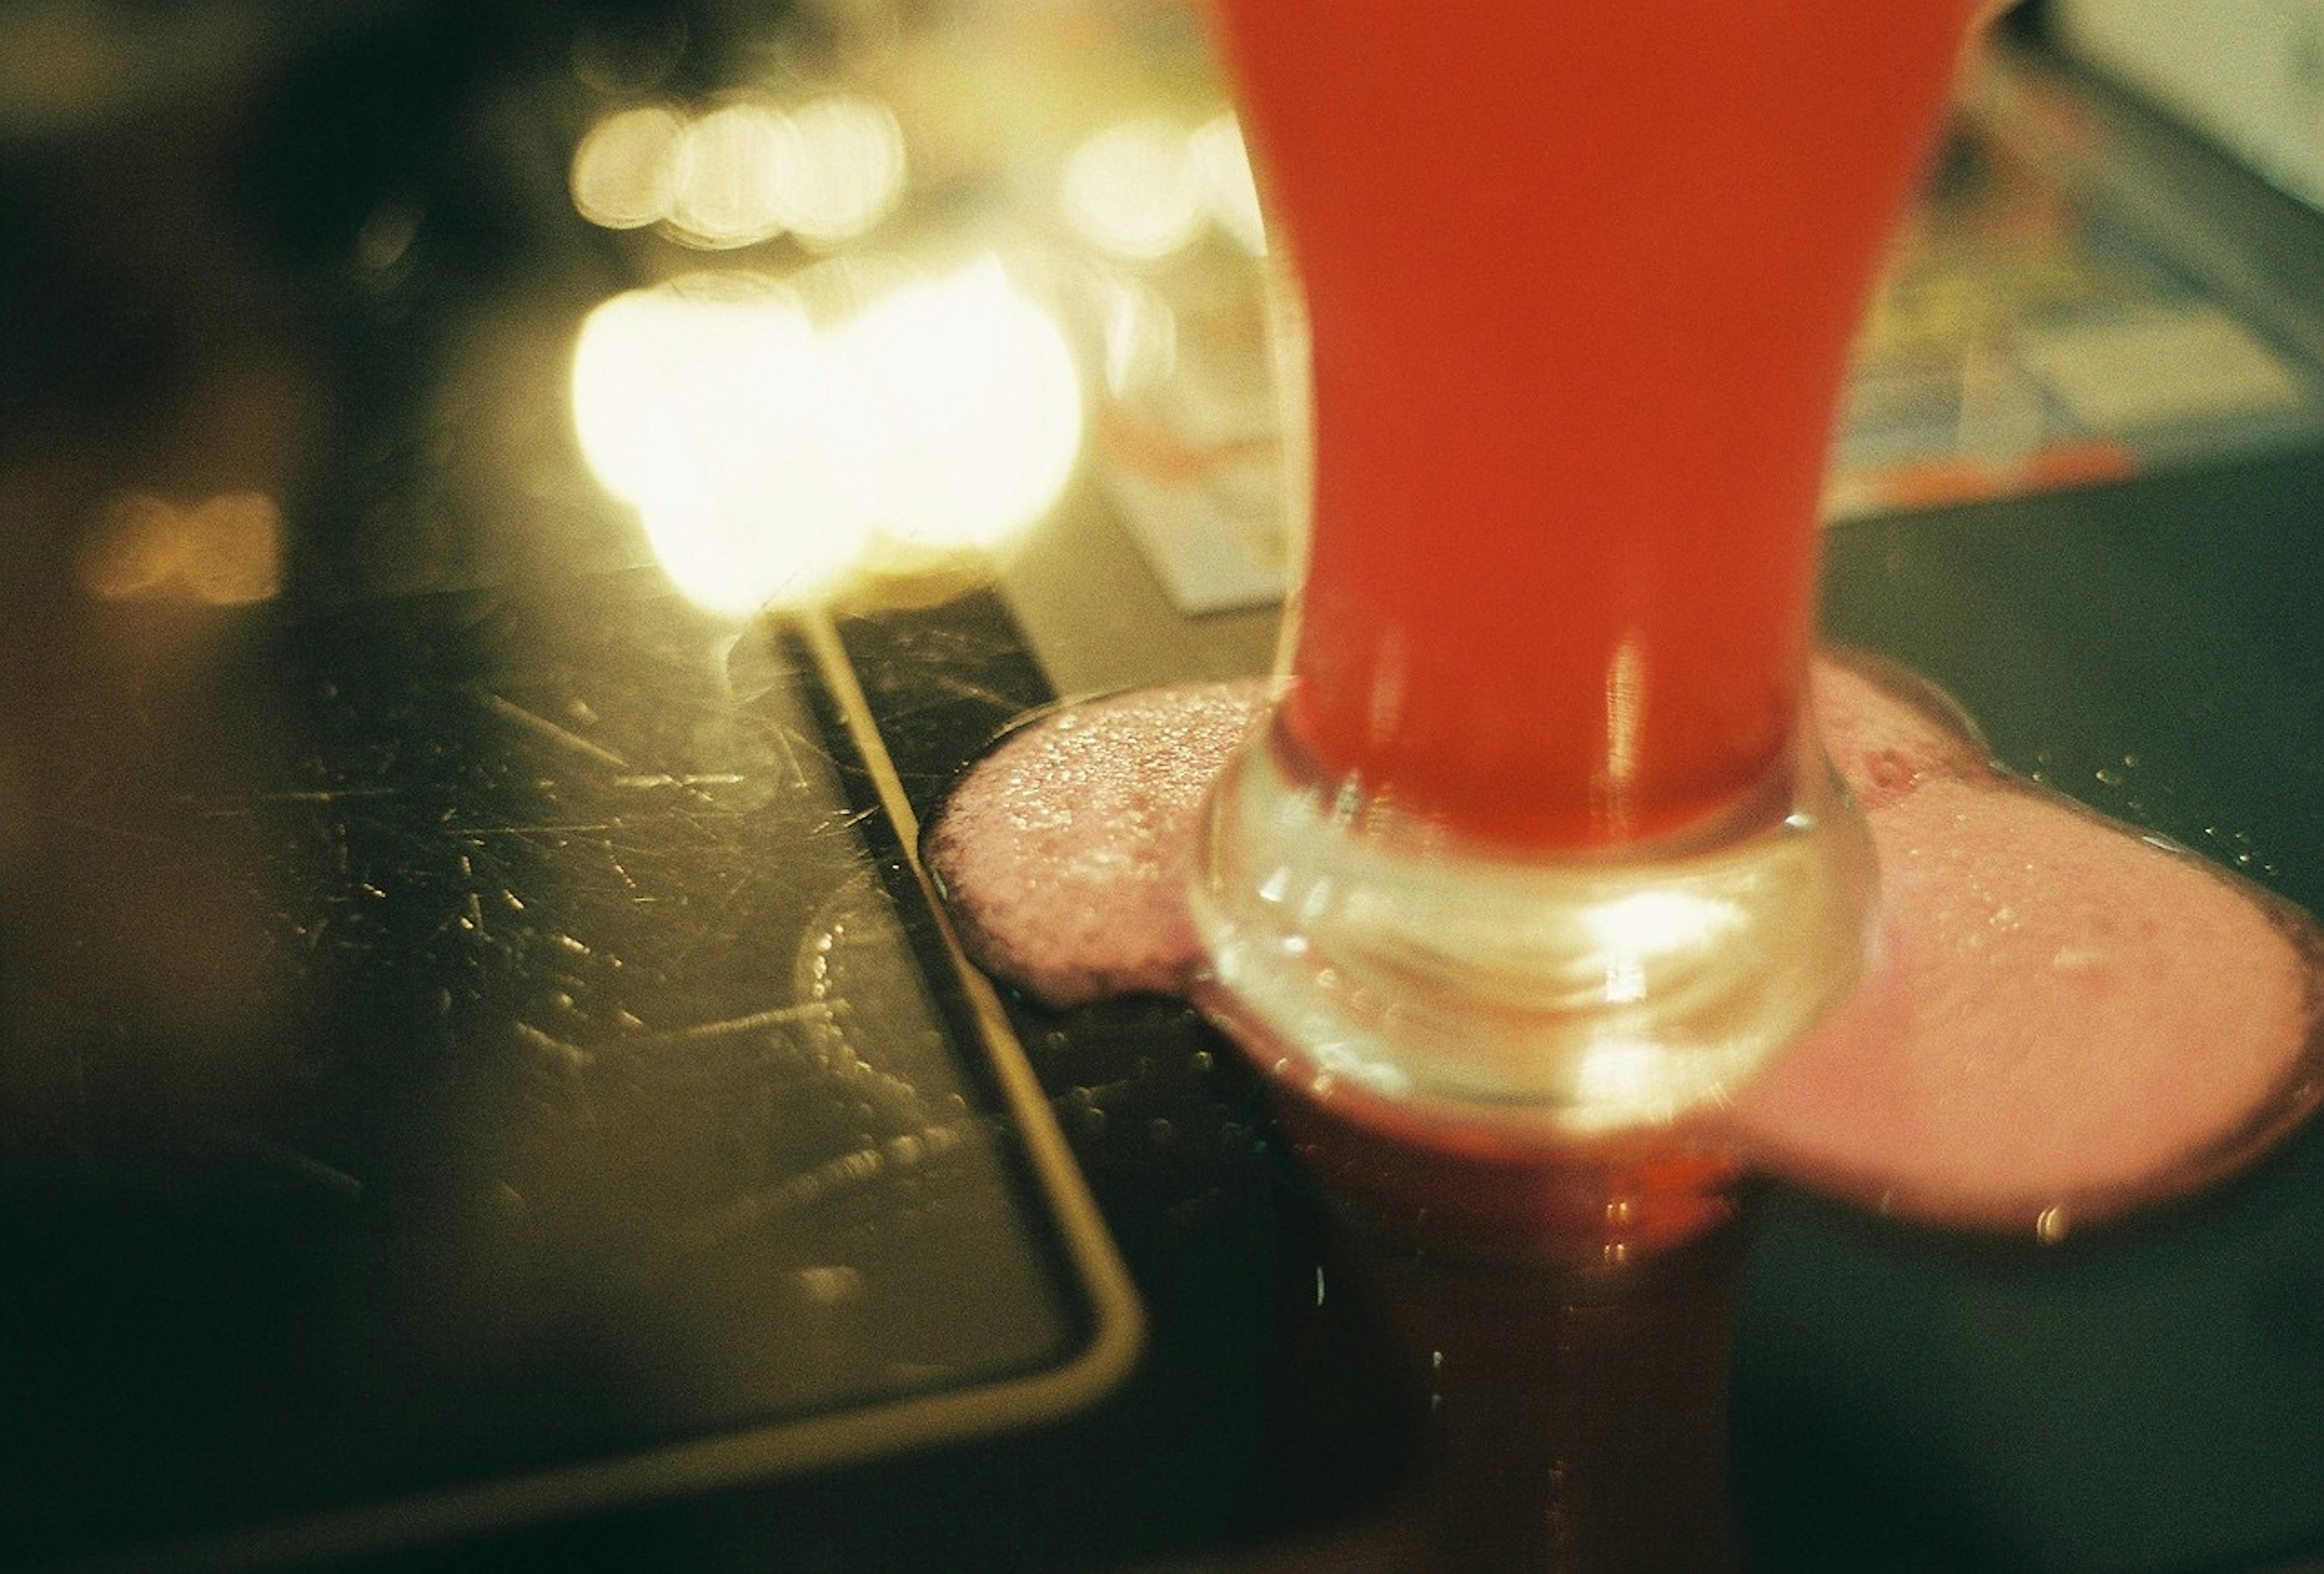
1537,995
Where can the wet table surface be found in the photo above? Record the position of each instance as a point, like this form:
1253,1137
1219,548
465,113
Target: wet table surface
479,1070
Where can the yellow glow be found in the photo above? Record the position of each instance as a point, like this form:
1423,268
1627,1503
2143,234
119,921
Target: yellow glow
849,171
1624,1075
1131,191
225,551
768,455
133,549
959,401
697,403
1223,178
624,173
234,549
733,164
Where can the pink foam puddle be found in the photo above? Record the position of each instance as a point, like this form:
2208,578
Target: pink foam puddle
1064,853
2064,1019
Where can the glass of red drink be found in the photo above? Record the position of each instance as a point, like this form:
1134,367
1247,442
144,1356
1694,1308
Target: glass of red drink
1538,845
1537,854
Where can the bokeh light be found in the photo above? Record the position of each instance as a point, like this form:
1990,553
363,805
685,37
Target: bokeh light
624,173
770,454
743,170
960,398
730,168
1145,189
849,172
225,551
1130,189
696,401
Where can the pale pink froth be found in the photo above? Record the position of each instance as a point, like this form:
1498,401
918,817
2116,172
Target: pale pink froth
2063,1014
1887,731
1065,852
2065,1017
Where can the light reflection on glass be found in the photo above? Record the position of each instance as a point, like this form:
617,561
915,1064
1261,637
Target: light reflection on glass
1223,175
770,453
1625,718
1622,1073
1648,924
1146,188
225,551
1130,190
1141,334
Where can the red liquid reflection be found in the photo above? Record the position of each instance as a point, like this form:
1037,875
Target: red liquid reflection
1563,1320
1560,1418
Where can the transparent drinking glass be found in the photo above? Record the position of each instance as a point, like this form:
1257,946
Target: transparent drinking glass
1538,855
1538,844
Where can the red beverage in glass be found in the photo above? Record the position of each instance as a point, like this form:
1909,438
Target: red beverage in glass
1537,859
1582,281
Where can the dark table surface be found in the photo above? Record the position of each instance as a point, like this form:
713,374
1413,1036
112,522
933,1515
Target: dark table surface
479,1074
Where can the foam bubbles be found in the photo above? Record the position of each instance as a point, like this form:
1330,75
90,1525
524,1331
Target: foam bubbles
2066,1018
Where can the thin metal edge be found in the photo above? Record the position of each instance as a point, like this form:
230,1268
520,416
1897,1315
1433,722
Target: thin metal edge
1119,1329
669,1471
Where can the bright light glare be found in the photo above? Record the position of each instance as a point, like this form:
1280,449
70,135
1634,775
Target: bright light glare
624,173
1647,924
768,455
1635,933
744,171
849,174
1130,190
1221,171
696,401
1624,1075
732,167
960,398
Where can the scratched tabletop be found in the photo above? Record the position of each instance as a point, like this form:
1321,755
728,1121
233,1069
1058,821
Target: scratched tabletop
456,1037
